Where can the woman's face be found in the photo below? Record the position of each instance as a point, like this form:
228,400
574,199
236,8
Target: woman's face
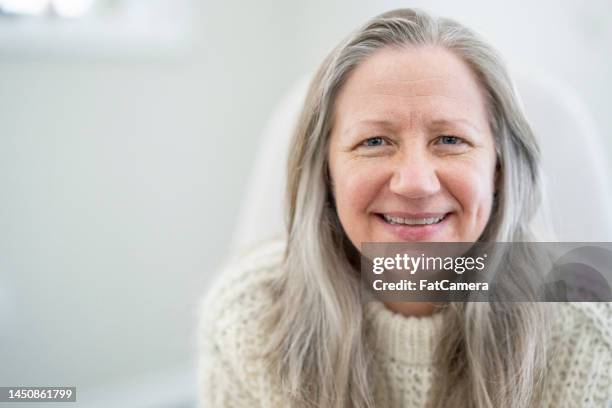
411,155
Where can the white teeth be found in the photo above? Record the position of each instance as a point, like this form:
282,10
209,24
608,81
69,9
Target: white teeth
412,221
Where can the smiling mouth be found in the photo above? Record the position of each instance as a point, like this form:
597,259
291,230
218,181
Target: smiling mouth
413,222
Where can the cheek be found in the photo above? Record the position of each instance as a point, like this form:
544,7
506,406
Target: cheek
473,192
355,188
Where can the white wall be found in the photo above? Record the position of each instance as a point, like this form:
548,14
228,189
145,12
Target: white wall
121,177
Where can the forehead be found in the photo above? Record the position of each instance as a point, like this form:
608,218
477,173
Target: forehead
430,82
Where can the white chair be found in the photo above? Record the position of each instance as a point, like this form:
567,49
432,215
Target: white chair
576,174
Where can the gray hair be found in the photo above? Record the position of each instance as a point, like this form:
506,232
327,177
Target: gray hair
487,357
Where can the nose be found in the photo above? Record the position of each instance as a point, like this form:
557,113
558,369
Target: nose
415,176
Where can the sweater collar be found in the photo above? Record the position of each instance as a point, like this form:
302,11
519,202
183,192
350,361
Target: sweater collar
408,339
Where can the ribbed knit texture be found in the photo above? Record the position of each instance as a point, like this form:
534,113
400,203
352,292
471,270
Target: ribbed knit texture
232,374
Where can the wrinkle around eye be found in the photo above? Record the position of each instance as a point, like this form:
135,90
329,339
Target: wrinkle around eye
460,148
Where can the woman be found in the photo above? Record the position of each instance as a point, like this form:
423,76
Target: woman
411,131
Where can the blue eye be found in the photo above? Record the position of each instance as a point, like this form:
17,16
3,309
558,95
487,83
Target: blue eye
374,141
449,140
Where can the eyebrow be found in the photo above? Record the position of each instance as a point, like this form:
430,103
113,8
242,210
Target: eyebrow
370,122
438,123
454,121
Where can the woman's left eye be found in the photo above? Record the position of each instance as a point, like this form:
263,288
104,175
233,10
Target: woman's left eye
449,140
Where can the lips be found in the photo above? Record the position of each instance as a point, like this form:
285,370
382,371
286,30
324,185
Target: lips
412,220
414,227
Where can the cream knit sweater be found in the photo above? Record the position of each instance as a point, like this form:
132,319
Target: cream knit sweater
230,374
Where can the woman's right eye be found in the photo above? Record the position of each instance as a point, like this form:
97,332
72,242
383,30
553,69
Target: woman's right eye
373,141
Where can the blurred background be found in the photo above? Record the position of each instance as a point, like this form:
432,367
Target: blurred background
128,129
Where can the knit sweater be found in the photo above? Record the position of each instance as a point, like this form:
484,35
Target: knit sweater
232,375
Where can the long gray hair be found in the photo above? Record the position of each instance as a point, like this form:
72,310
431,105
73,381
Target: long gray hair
487,357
